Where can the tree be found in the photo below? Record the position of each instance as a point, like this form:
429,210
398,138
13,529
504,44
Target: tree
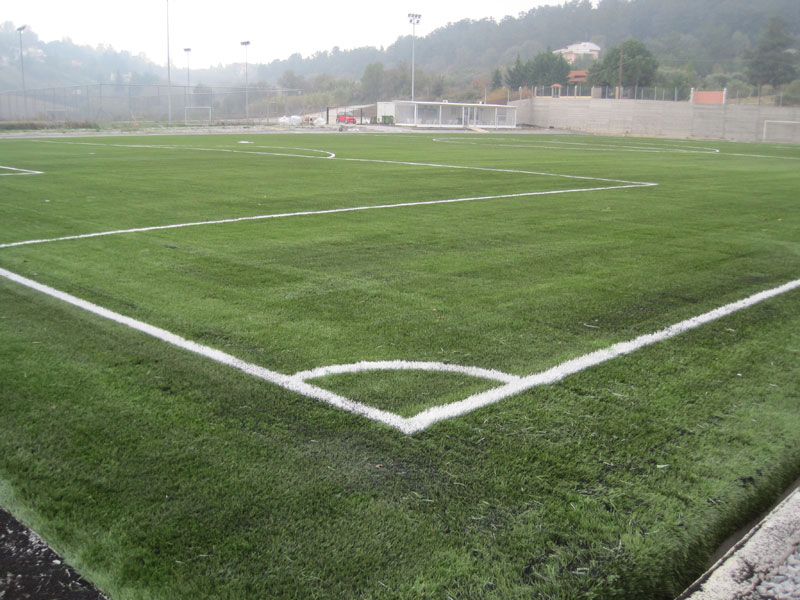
547,68
497,79
515,76
772,62
290,81
372,82
639,66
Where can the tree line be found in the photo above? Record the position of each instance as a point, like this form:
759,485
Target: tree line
713,43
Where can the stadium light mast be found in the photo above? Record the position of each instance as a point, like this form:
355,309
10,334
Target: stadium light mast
246,103
20,29
169,75
413,18
187,50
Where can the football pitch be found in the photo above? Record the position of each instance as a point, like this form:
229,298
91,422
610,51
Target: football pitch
429,365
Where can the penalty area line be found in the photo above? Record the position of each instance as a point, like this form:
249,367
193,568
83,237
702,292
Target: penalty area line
19,171
320,212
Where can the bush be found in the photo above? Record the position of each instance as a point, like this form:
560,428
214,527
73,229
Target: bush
792,93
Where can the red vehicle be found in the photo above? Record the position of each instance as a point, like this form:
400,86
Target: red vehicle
346,118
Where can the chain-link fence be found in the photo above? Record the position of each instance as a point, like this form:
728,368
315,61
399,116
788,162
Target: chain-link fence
662,94
143,103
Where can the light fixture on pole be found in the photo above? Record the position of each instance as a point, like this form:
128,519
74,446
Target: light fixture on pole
187,88
187,50
20,29
246,103
413,18
169,75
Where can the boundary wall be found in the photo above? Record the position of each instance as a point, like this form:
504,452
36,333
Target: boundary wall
734,122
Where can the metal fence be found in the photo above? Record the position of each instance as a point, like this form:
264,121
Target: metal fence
133,103
662,94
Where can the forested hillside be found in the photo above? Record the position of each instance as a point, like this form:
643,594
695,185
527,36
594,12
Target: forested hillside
693,38
704,32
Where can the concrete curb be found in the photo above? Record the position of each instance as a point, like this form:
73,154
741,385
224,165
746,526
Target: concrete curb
761,551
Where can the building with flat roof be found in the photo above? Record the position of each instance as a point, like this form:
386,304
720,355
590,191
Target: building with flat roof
447,114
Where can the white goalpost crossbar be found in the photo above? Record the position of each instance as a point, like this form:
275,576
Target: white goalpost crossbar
205,110
768,122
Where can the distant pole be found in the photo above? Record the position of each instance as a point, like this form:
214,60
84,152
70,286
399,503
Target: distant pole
246,99
413,18
20,29
169,75
187,50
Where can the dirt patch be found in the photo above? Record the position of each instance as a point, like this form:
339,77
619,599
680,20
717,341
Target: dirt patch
30,569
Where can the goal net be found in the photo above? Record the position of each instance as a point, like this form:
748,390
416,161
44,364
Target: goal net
199,115
783,132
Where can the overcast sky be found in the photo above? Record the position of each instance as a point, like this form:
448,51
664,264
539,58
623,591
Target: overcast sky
214,30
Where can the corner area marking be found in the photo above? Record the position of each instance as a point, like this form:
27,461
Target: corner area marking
433,415
288,382
406,365
514,384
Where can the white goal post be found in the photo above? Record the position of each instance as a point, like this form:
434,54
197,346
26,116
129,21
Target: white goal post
191,113
781,131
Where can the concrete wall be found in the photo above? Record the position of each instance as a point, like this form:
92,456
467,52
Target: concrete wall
735,122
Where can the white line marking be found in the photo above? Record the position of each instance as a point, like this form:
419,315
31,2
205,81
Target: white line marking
433,415
331,155
425,419
562,145
763,156
556,145
285,381
623,184
318,212
406,365
328,155
496,170
19,171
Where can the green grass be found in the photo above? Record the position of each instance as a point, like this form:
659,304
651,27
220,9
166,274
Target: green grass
160,474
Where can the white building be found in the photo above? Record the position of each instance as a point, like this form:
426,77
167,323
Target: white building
579,50
448,114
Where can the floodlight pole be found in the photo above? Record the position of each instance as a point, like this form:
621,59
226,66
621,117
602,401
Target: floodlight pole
187,88
187,50
20,29
169,75
246,102
413,18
